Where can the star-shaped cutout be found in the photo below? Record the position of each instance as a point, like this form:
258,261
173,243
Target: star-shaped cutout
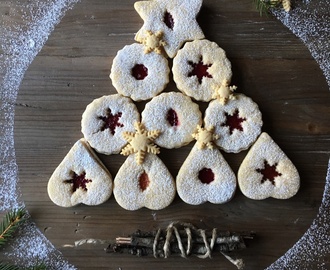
199,70
224,92
111,121
140,142
205,137
153,42
269,172
233,121
175,18
78,181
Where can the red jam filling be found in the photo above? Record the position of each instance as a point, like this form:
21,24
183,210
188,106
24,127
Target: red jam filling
140,71
111,121
172,118
144,181
206,176
78,181
269,173
233,121
168,20
199,70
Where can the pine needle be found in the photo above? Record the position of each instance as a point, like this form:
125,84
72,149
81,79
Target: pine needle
11,221
264,6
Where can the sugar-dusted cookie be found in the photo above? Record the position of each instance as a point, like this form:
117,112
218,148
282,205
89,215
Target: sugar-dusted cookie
138,74
205,176
176,19
199,67
267,172
80,178
147,185
175,116
238,122
104,121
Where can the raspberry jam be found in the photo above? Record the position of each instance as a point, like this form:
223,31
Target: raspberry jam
200,70
144,181
139,72
111,121
78,181
168,20
206,176
233,121
172,118
269,172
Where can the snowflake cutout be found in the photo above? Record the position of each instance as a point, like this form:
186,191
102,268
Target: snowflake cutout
205,137
153,42
233,121
224,92
175,18
110,121
268,172
78,181
140,142
199,70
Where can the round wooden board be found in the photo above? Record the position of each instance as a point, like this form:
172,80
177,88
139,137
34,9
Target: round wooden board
270,65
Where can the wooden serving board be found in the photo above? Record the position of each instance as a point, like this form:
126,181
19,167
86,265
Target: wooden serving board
270,65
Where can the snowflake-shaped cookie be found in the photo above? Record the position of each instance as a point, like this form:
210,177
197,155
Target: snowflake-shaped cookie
224,92
205,137
140,142
176,19
153,42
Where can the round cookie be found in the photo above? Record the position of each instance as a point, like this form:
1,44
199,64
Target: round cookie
137,74
104,121
238,123
199,67
175,116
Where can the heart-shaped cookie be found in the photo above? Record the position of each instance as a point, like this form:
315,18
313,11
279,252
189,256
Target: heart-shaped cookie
149,184
205,176
80,178
267,172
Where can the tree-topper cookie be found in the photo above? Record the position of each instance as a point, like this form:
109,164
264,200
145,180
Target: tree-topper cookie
199,67
267,172
238,123
139,73
106,119
175,19
175,116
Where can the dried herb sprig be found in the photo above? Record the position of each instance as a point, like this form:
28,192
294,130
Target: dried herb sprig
7,266
264,6
11,221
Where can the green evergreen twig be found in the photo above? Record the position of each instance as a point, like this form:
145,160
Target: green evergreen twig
264,6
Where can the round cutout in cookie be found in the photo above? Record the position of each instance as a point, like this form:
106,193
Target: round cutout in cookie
238,123
137,74
175,115
104,121
199,67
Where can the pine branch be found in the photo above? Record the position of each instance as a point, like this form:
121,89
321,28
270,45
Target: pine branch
264,6
11,221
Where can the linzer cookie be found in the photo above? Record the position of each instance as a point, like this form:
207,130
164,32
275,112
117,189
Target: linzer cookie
104,121
238,123
149,184
199,67
267,172
80,178
175,116
175,19
138,73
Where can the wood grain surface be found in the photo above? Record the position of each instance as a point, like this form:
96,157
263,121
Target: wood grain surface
270,65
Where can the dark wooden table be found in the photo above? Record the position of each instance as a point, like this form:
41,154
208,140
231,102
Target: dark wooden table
270,65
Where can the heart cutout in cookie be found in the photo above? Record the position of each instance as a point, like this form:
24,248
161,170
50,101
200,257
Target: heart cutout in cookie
149,184
205,176
267,172
80,178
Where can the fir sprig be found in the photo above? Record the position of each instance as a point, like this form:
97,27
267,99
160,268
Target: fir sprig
11,221
264,6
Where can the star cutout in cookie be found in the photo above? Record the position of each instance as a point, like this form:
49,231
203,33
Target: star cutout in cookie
205,137
175,18
140,142
224,92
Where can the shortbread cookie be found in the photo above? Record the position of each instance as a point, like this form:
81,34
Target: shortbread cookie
267,172
199,67
104,121
80,178
205,176
176,19
238,123
147,185
137,74
175,116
